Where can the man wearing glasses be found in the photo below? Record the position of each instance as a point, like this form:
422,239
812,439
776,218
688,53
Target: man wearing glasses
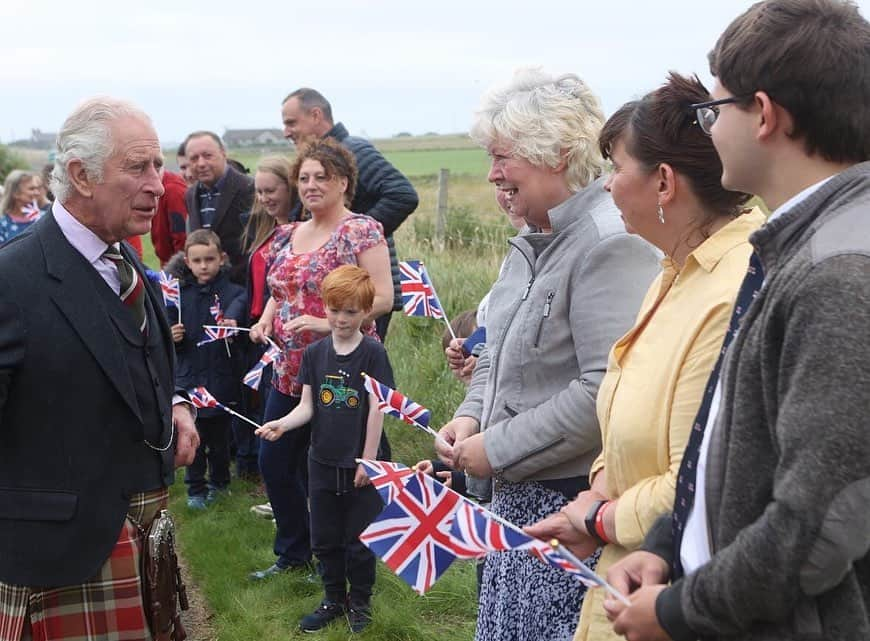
770,530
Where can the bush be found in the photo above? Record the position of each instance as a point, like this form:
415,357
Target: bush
9,160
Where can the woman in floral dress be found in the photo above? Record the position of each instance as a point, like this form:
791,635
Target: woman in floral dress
301,255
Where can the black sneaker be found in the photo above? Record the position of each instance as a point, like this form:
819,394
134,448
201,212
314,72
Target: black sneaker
358,616
326,612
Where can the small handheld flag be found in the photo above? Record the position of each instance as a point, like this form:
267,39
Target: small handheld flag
30,212
217,333
216,310
412,534
397,404
171,290
418,295
253,378
202,398
388,478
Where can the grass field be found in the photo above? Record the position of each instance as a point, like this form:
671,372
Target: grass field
411,162
223,545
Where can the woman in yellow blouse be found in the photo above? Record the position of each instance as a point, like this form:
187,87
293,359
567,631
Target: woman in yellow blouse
665,181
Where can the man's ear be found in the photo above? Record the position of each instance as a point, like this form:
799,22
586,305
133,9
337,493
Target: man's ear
79,178
772,117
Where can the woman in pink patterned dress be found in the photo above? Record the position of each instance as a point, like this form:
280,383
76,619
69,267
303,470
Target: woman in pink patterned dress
301,255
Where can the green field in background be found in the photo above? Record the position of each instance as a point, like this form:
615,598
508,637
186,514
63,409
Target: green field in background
411,162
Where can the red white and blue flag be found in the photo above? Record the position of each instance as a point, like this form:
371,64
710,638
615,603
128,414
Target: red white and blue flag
412,533
482,531
202,398
30,212
253,378
418,294
388,478
216,310
397,404
170,289
217,333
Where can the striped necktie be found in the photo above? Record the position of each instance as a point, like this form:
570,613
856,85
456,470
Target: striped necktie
132,289
685,490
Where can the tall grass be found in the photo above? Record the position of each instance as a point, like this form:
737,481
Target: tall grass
223,545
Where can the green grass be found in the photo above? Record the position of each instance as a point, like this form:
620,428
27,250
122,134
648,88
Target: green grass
414,156
223,545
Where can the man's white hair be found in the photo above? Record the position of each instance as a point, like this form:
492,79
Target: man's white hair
545,119
86,135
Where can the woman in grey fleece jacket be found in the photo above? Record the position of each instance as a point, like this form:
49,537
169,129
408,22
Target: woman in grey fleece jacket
571,284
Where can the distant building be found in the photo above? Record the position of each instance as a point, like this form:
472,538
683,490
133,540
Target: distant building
37,140
252,137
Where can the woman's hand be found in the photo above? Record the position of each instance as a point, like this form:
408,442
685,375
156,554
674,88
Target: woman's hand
308,323
260,331
469,455
557,526
452,433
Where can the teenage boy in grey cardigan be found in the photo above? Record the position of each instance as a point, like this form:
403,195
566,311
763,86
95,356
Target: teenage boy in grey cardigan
785,494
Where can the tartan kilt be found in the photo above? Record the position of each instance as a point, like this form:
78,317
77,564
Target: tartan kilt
107,607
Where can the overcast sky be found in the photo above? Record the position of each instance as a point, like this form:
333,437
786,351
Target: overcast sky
386,66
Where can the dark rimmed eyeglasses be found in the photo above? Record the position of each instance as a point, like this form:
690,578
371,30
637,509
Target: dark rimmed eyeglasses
706,113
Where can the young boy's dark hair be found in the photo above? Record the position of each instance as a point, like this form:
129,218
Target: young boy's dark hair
217,366
814,61
202,237
345,426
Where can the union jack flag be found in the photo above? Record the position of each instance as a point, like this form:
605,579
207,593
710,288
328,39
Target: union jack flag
418,294
253,378
214,333
397,404
170,289
388,478
412,534
483,532
201,397
216,310
30,212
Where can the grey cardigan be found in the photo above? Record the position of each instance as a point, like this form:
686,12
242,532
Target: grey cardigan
560,303
788,472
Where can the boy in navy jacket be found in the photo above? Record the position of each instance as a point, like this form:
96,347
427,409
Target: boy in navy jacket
208,298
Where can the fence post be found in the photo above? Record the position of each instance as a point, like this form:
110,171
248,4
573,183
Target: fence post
441,213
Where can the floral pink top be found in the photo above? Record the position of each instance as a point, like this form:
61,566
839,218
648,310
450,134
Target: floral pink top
294,280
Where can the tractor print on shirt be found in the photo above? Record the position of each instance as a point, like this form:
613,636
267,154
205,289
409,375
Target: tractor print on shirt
334,389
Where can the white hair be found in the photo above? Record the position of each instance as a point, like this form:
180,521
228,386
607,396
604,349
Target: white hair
86,135
545,119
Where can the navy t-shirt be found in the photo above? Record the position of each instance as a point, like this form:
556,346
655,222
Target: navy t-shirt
338,426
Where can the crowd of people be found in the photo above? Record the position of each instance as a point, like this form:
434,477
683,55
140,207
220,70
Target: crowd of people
663,377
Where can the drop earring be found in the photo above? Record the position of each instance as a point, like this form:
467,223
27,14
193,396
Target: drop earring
661,213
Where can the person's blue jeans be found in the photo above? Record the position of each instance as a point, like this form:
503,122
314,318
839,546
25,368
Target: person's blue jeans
284,468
